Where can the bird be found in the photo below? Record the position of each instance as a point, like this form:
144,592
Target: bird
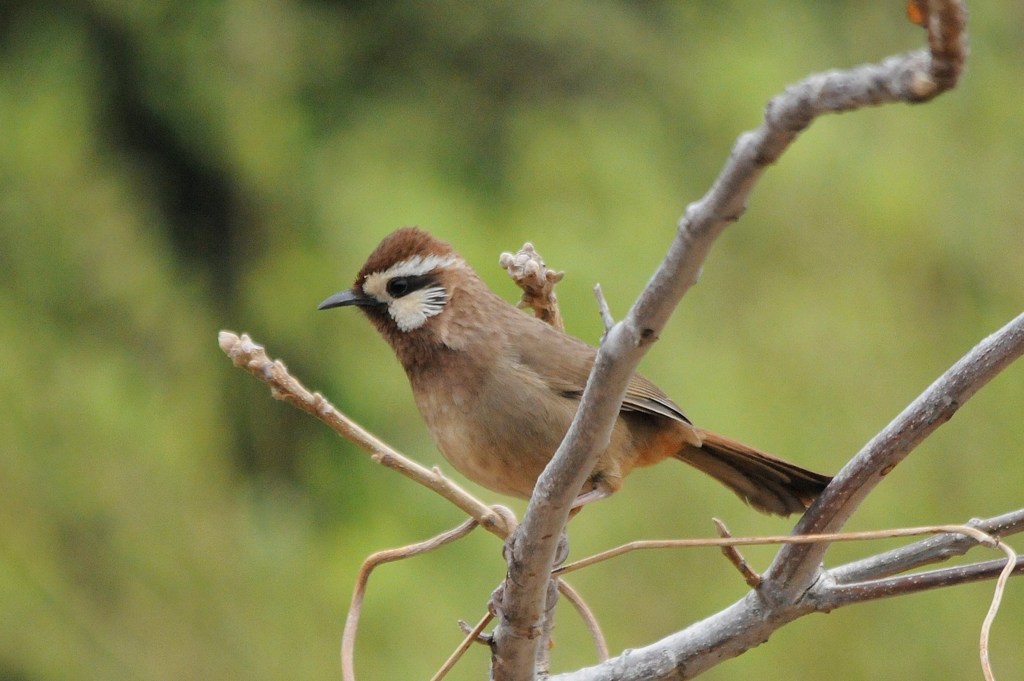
498,388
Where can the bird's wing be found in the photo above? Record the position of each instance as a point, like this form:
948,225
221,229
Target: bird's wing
566,370
644,396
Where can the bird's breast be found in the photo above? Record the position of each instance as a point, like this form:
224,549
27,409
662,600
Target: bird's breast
498,426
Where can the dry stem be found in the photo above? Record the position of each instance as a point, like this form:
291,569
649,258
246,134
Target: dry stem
472,636
734,556
253,358
348,638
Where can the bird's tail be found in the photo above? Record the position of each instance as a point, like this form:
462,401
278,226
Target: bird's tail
766,482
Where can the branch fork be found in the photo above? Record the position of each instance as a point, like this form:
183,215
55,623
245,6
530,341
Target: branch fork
795,583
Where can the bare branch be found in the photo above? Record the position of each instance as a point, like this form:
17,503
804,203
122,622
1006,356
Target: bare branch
796,567
472,636
732,553
253,358
925,552
795,584
912,77
751,620
845,585
860,592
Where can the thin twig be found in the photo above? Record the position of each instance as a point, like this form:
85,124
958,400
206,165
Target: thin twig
587,615
252,357
993,609
924,552
603,309
838,595
646,544
348,637
472,637
750,576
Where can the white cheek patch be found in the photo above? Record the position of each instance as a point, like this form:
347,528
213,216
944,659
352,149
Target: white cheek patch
412,311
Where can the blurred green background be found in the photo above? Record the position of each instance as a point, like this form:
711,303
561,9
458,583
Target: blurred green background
170,169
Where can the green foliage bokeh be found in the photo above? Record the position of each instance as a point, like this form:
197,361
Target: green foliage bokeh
170,169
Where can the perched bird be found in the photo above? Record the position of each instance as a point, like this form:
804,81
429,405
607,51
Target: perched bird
498,388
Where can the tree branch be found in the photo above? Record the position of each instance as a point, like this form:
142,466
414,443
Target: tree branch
847,594
925,552
751,620
796,567
253,358
913,77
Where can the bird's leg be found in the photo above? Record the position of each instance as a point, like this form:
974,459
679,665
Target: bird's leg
595,494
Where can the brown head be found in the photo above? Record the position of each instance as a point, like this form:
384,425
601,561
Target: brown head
404,288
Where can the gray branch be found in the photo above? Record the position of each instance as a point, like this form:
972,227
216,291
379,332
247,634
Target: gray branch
795,567
925,552
749,622
832,597
521,604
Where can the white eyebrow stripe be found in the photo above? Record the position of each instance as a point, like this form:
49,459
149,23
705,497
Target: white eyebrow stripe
419,265
375,283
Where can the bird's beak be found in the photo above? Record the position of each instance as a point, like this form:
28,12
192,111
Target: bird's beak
349,297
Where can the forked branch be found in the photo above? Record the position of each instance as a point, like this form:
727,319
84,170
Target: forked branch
913,77
795,584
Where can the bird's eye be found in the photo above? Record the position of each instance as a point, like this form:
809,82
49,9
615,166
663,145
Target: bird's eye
398,287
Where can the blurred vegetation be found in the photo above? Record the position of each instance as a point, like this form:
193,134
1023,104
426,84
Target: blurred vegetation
169,169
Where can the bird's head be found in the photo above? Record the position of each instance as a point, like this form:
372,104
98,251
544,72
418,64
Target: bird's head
405,284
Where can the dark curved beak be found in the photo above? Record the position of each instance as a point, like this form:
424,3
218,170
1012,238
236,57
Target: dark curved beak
345,298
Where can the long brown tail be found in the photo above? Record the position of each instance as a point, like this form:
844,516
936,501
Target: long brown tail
766,482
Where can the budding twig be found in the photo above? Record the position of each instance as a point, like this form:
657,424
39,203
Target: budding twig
252,357
529,273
